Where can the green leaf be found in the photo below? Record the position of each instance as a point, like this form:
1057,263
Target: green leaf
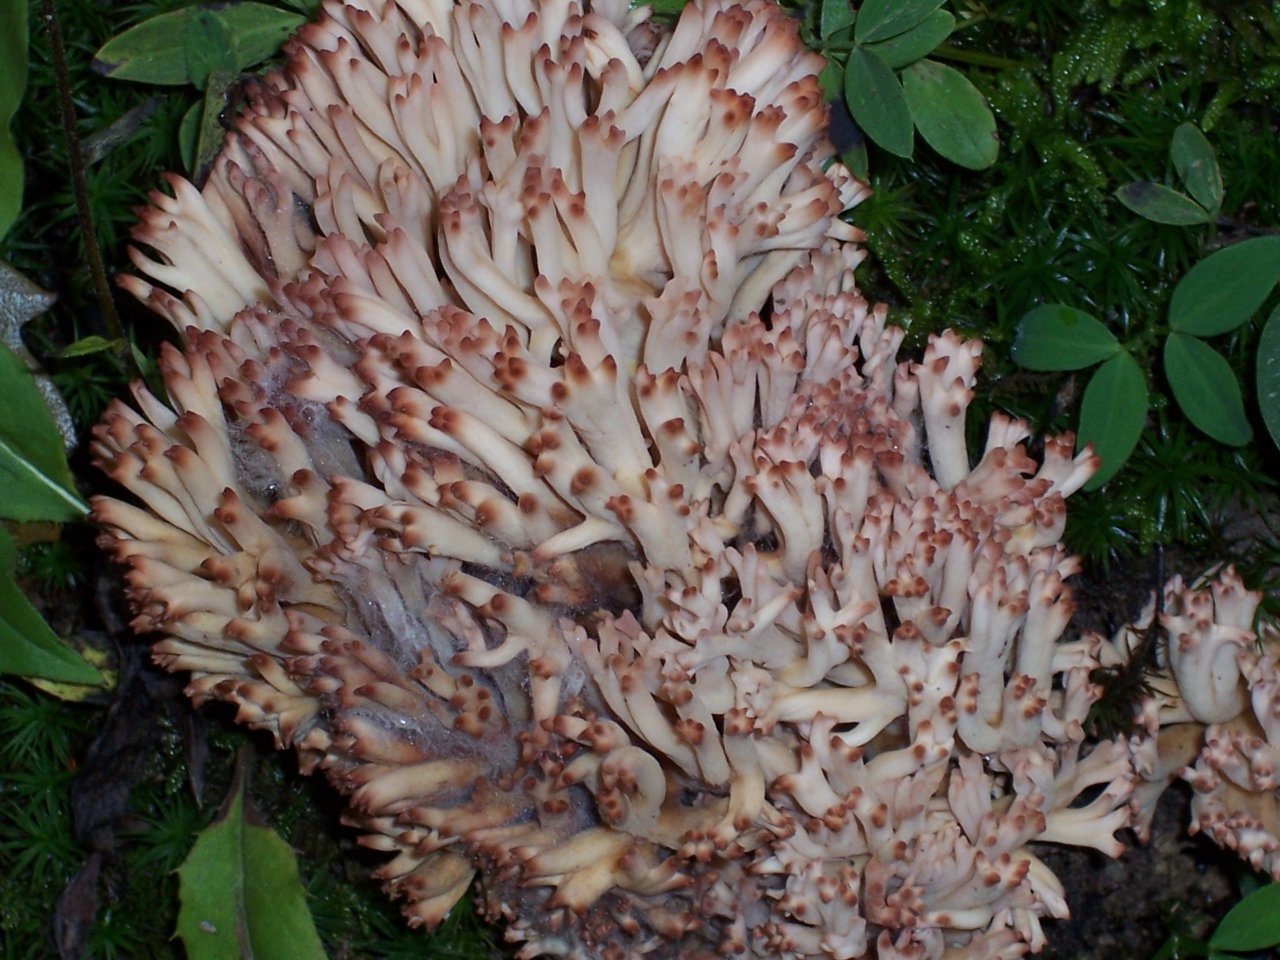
836,15
209,47
1226,288
1269,375
1056,337
241,896
1206,389
917,42
210,131
1252,924
34,475
28,648
189,134
877,103
1197,166
882,19
155,51
951,115
1112,414
1162,205
13,83
88,345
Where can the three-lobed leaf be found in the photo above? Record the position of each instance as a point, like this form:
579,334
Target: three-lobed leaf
951,114
1252,924
34,474
1197,166
877,103
156,50
1057,337
1113,413
919,41
1160,204
28,648
882,19
1226,288
1268,372
241,895
13,83
1206,389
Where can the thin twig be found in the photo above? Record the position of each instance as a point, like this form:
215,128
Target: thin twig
79,185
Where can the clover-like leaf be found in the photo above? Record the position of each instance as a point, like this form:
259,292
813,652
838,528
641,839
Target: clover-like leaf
877,103
915,43
1113,414
1268,372
28,648
13,83
1196,164
1158,203
156,50
240,892
882,19
1252,924
951,114
1206,389
1057,337
33,465
1226,288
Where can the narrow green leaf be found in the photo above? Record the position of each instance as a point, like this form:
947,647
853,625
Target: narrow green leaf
877,103
1197,166
1206,389
882,19
210,132
836,15
90,344
189,134
1252,924
34,475
1158,203
1226,288
241,896
28,648
1269,375
831,80
209,47
1056,337
13,83
917,42
155,51
951,114
1113,414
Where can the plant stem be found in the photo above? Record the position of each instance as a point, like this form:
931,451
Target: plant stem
79,185
973,57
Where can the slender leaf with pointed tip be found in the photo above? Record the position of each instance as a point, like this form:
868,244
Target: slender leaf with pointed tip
1226,288
1206,389
1112,414
1159,204
1196,164
28,648
241,896
34,474
951,114
1057,337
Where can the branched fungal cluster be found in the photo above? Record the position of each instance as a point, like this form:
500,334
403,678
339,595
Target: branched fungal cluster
534,468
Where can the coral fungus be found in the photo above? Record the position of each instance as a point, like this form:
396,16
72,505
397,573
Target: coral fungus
535,468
